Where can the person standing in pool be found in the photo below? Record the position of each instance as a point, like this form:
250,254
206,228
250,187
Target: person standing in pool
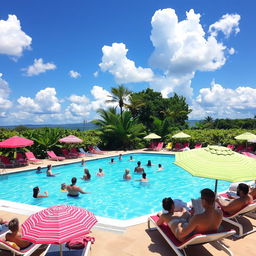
36,194
112,161
139,169
120,157
100,173
38,170
49,171
127,175
87,175
73,189
143,179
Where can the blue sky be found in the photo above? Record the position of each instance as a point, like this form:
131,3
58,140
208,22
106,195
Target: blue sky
59,59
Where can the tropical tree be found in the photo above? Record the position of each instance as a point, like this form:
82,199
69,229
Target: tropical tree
119,95
119,131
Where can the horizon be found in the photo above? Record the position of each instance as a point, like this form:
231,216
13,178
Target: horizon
61,60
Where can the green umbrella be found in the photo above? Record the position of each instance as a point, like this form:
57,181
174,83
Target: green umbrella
152,136
246,136
219,163
181,135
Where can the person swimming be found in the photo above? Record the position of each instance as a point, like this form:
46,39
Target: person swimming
143,179
131,158
83,162
138,168
74,190
149,164
63,187
100,173
160,168
112,161
120,157
39,169
49,171
127,175
87,175
36,194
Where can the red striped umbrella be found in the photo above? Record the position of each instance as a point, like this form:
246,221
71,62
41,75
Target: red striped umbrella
71,139
58,224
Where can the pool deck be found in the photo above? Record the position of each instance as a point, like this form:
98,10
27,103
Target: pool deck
137,240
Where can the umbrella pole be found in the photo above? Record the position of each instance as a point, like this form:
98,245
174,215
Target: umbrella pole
60,249
216,185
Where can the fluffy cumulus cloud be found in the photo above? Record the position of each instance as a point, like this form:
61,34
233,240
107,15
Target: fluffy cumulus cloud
45,102
115,61
13,41
227,24
74,74
38,67
5,103
221,102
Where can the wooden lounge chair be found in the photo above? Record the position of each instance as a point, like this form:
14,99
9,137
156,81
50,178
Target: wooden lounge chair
24,252
233,219
32,159
52,156
179,247
54,250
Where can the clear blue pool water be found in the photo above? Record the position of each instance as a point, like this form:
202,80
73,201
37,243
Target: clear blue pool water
110,196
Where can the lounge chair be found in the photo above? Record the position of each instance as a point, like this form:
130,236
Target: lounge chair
159,146
249,154
52,156
20,160
240,148
85,153
231,146
177,147
54,250
185,146
32,159
24,252
6,163
98,149
168,146
179,247
67,154
249,149
198,145
4,230
75,152
93,150
232,219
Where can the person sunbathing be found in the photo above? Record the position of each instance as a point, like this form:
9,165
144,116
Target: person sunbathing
237,204
182,226
15,234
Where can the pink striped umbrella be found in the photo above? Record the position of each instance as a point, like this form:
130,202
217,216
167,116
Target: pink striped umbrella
71,139
16,142
58,224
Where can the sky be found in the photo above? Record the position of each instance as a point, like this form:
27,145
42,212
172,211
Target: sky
60,59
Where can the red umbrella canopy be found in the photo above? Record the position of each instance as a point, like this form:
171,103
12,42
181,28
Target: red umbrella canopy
70,139
58,224
16,142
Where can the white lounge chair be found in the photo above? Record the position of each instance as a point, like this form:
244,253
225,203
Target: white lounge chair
232,219
179,247
54,250
24,252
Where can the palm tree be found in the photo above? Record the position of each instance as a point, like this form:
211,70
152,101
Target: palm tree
119,95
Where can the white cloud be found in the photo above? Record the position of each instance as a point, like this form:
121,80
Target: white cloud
124,70
181,49
96,74
231,51
5,104
39,67
74,74
13,41
227,24
45,102
221,102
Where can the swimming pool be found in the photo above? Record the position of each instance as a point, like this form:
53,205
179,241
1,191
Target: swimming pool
110,196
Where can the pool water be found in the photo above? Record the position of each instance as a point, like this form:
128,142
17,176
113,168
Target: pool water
110,196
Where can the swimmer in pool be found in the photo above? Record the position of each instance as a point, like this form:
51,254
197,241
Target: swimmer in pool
36,194
127,175
63,187
49,171
74,190
38,170
100,173
112,161
143,179
160,168
87,175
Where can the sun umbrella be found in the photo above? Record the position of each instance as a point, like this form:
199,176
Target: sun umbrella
58,224
16,142
71,139
246,136
219,163
152,136
252,141
181,135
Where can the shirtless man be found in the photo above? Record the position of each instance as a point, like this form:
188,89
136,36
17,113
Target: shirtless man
237,204
144,178
208,221
73,189
15,234
139,169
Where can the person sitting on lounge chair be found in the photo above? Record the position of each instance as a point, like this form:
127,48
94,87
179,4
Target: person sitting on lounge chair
206,222
237,204
15,234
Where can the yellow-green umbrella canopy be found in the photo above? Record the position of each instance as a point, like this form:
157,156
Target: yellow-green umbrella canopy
152,136
246,136
181,135
216,162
